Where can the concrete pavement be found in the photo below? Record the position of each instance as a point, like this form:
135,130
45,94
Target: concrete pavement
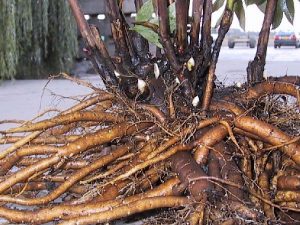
24,99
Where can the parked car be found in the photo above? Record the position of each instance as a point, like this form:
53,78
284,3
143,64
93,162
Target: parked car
287,39
238,37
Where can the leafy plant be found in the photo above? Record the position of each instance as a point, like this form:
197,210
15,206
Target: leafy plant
145,14
284,7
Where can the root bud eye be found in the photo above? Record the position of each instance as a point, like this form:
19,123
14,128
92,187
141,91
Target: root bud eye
196,101
141,85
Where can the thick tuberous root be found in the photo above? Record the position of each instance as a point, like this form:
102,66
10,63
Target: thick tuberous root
101,162
151,144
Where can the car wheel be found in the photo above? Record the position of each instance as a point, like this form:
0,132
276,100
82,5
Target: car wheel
231,44
252,43
275,46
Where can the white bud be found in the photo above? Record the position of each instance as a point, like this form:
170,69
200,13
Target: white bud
141,85
156,70
195,101
190,64
117,74
238,84
177,80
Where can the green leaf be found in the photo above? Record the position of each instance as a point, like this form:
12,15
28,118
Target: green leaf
145,12
218,4
262,7
230,4
240,13
256,2
278,15
289,10
148,34
285,7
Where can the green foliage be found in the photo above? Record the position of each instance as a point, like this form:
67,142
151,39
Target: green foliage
236,6
278,15
284,7
289,10
240,13
38,38
256,2
145,15
148,34
218,4
62,30
262,6
8,45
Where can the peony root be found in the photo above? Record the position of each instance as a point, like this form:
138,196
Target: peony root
120,165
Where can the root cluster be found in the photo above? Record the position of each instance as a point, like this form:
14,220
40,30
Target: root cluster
108,158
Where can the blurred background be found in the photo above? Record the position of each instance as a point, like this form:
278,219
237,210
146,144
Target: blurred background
37,37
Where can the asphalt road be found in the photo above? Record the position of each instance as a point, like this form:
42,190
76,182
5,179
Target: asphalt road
23,99
233,63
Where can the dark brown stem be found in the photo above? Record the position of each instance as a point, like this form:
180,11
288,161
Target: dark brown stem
141,44
118,32
209,88
197,14
255,68
138,4
203,57
129,40
206,39
106,75
164,31
181,24
102,49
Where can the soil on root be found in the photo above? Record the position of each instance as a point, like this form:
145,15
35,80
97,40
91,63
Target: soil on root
109,157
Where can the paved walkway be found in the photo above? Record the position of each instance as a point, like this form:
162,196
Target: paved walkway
26,98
